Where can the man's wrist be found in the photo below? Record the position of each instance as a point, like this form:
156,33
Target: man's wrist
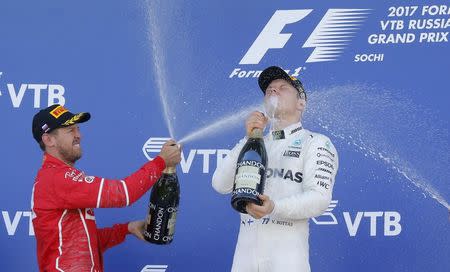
272,207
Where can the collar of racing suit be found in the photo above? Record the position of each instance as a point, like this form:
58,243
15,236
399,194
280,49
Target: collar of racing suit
49,161
286,132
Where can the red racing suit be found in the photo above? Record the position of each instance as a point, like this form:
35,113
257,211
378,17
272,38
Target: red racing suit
62,202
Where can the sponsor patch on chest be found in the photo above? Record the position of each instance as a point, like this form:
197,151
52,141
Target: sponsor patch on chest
292,153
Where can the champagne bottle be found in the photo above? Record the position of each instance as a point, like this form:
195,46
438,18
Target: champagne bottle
250,174
162,213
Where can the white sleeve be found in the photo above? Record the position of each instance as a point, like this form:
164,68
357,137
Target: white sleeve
320,168
223,177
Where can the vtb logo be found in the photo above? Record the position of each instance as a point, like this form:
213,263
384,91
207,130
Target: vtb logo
391,221
155,268
322,219
153,146
329,37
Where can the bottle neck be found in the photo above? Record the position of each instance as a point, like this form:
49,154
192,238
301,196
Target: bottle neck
256,133
170,170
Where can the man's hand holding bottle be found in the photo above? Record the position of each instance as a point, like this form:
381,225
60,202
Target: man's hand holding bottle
171,153
255,120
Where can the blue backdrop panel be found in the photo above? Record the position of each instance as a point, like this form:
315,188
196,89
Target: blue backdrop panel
377,78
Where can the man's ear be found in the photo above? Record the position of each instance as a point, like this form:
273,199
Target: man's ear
301,104
48,140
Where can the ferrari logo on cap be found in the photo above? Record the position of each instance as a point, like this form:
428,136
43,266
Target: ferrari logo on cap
58,111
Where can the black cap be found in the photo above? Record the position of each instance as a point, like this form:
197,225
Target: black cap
54,117
274,72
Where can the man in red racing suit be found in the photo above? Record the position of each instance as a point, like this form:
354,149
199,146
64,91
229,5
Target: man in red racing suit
63,197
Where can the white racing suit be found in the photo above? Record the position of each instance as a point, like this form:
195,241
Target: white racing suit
300,176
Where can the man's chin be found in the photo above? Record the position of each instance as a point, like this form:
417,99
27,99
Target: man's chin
76,156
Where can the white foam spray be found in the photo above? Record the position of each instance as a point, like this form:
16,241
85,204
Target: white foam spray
222,124
377,124
158,61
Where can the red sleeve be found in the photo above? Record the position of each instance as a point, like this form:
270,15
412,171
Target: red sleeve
73,189
109,237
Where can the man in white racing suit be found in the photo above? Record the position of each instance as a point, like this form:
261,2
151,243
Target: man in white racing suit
300,175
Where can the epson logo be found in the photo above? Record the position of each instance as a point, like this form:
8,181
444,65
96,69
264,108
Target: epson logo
155,268
251,163
326,164
329,38
205,157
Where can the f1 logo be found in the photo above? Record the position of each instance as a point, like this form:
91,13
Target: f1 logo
329,38
271,36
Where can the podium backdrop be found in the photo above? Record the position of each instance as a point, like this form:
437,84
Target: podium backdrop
377,76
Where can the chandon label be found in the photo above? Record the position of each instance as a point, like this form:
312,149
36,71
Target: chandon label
251,163
158,232
159,217
247,177
245,191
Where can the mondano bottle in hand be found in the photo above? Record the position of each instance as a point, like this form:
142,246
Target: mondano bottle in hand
250,172
162,213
